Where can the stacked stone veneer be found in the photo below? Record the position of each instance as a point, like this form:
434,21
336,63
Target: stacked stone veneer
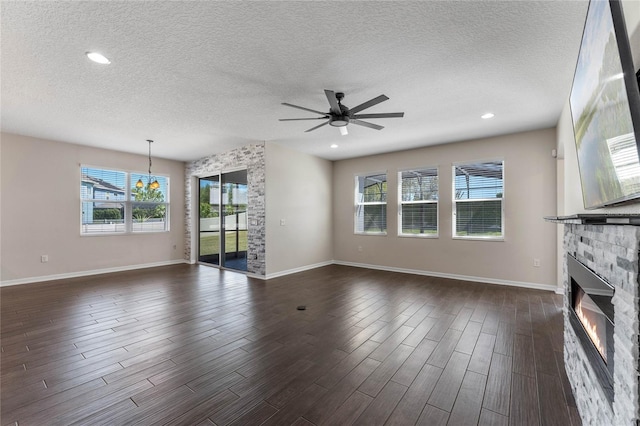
611,251
251,157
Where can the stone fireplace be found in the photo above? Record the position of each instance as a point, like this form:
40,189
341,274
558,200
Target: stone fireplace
592,317
601,316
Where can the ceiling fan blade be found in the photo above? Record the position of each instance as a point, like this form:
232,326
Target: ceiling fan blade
306,109
369,104
313,128
381,115
296,119
365,124
333,101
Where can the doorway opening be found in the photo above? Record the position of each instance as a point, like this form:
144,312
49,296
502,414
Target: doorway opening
223,222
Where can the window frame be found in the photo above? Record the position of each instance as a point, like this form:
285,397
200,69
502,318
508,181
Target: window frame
454,202
128,203
402,203
358,203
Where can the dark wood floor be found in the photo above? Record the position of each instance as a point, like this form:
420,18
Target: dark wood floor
193,345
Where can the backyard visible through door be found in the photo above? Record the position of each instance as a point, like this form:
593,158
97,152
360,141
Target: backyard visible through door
223,224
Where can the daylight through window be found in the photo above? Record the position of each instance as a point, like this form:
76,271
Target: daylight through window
418,193
111,202
478,200
371,204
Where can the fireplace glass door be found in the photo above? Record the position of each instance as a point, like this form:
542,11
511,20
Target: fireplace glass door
592,319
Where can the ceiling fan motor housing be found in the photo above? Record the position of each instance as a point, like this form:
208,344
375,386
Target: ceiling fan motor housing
342,119
339,120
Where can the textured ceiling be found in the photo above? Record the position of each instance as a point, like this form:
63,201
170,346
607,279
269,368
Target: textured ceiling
203,77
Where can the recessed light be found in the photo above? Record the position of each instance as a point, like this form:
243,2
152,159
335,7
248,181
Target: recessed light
334,145
98,58
487,115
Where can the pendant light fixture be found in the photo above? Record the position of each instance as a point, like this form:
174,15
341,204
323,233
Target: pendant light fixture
150,184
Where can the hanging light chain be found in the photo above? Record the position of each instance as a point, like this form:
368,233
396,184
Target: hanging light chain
150,142
152,185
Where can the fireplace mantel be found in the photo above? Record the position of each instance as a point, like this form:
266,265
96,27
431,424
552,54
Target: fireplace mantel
596,219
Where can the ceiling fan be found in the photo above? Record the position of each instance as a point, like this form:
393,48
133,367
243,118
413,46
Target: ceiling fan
339,115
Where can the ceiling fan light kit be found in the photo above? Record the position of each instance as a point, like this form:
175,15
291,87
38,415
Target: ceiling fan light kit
340,116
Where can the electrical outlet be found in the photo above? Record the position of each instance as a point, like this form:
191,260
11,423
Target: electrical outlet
359,248
536,263
282,222
44,258
175,246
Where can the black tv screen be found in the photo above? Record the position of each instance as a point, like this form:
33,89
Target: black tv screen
605,108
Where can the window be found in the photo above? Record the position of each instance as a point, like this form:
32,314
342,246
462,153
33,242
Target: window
478,195
418,193
111,202
371,204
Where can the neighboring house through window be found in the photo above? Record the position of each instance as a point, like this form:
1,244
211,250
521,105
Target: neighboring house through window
111,202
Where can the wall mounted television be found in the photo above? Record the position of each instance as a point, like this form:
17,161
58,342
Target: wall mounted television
605,108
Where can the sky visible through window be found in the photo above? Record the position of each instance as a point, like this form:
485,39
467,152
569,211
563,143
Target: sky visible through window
479,181
479,187
112,203
118,179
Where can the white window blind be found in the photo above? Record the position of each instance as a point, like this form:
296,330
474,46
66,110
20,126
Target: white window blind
149,206
478,200
111,202
371,204
418,193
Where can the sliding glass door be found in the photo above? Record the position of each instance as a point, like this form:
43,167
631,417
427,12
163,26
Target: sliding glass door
223,220
209,196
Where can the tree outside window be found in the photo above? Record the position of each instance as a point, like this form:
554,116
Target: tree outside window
111,202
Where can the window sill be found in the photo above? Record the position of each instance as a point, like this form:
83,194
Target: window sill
111,234
498,239
427,236
370,233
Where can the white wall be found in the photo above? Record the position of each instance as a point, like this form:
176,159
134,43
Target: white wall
40,212
298,190
560,200
631,9
530,194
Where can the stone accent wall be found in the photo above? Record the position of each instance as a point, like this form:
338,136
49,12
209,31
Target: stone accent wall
612,252
251,157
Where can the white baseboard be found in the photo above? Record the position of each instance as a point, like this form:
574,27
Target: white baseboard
42,278
252,275
536,286
560,291
296,270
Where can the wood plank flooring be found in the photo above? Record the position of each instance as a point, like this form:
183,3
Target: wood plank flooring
189,345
